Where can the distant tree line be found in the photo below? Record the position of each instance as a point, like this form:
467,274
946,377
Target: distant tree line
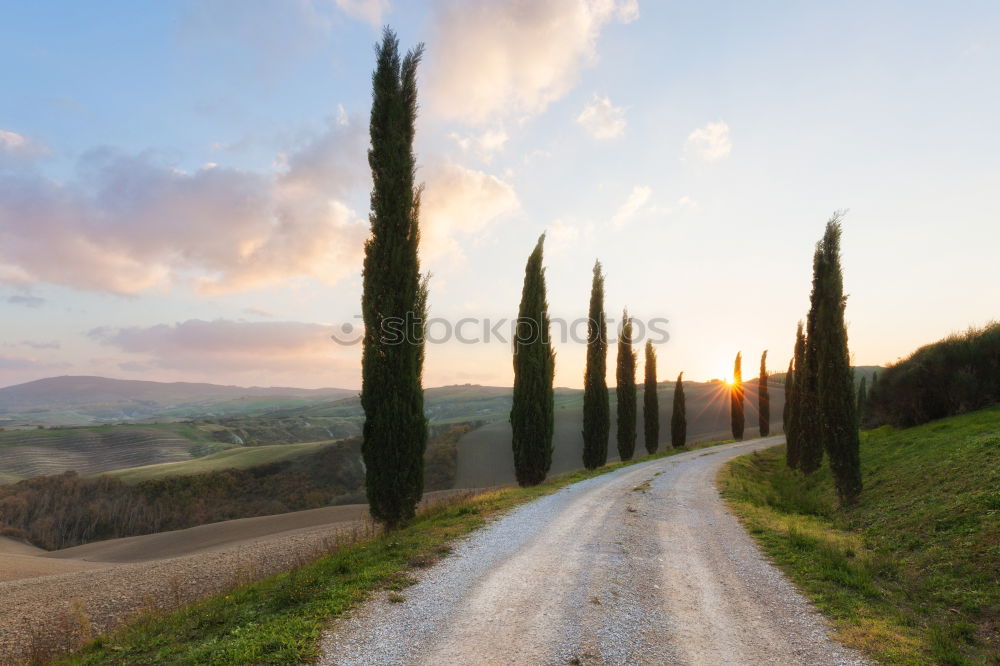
960,373
63,510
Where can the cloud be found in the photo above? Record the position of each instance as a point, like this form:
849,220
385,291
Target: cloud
602,119
14,146
258,312
460,201
226,346
370,11
27,300
129,222
637,198
498,59
709,143
562,235
52,344
484,145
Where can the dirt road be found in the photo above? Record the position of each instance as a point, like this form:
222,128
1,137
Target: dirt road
640,566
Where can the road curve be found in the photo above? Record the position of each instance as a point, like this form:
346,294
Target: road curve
640,566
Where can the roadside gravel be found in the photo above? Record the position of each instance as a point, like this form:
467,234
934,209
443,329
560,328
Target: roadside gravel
640,566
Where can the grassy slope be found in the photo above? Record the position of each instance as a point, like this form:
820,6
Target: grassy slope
93,449
279,620
239,458
912,574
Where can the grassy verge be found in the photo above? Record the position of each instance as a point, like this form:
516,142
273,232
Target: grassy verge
911,575
278,620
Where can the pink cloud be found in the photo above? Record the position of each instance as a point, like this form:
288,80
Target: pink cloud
130,222
258,352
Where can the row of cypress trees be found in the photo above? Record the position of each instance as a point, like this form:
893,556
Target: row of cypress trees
822,407
737,399
596,411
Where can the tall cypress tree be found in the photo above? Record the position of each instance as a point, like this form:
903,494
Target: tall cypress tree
810,427
596,411
789,380
793,429
650,402
678,420
394,299
626,390
835,380
532,411
862,402
736,398
763,398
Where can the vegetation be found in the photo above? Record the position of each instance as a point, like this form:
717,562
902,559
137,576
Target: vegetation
790,381
911,573
861,404
596,407
794,400
736,411
650,403
66,510
952,376
763,398
678,421
532,412
808,425
279,620
835,381
626,390
394,296
59,511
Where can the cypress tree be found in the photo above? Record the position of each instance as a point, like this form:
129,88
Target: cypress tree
789,380
862,403
809,425
596,411
736,398
678,420
650,403
764,398
793,429
532,411
394,297
626,390
835,380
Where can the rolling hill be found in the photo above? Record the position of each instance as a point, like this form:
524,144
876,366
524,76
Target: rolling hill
86,400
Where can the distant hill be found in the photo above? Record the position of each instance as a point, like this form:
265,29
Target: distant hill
89,400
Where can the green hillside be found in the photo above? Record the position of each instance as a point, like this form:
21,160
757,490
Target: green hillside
911,575
236,458
95,449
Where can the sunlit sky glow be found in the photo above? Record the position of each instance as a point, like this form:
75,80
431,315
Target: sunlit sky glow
183,185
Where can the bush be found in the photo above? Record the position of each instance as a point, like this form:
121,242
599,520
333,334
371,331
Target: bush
956,375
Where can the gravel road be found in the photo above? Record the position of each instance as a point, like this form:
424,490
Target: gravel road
640,566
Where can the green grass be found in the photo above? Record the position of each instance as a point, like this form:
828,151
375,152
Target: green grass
240,458
278,620
9,477
911,575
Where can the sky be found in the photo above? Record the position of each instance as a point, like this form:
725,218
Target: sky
184,185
